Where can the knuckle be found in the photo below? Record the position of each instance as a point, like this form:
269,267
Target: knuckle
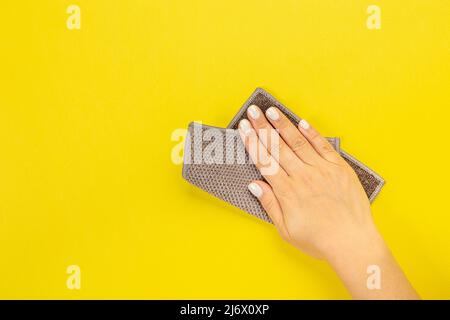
268,202
280,148
274,140
314,135
326,148
262,131
284,190
298,144
283,123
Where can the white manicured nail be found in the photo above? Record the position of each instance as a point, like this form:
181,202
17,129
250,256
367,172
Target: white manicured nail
304,124
255,189
272,114
245,126
253,112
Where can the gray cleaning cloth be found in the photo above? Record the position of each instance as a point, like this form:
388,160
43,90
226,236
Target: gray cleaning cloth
215,160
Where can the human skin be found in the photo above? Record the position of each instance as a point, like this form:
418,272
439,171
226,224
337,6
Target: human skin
317,203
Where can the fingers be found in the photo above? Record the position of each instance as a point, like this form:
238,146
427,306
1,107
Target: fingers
266,164
269,202
319,143
295,140
272,141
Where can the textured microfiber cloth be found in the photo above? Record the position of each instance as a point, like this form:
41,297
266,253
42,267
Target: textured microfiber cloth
209,169
370,180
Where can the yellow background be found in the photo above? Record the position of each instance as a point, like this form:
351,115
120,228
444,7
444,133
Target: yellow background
86,118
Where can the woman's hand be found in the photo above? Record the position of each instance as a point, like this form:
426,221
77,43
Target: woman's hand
313,196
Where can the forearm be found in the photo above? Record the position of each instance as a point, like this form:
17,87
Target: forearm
369,270
317,203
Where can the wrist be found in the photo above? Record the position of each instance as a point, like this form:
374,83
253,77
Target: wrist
368,257
358,248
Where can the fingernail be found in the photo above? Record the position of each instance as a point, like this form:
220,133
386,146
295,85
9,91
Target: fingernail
255,189
304,124
245,126
253,112
272,113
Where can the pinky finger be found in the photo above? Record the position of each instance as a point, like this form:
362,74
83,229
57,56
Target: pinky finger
322,146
